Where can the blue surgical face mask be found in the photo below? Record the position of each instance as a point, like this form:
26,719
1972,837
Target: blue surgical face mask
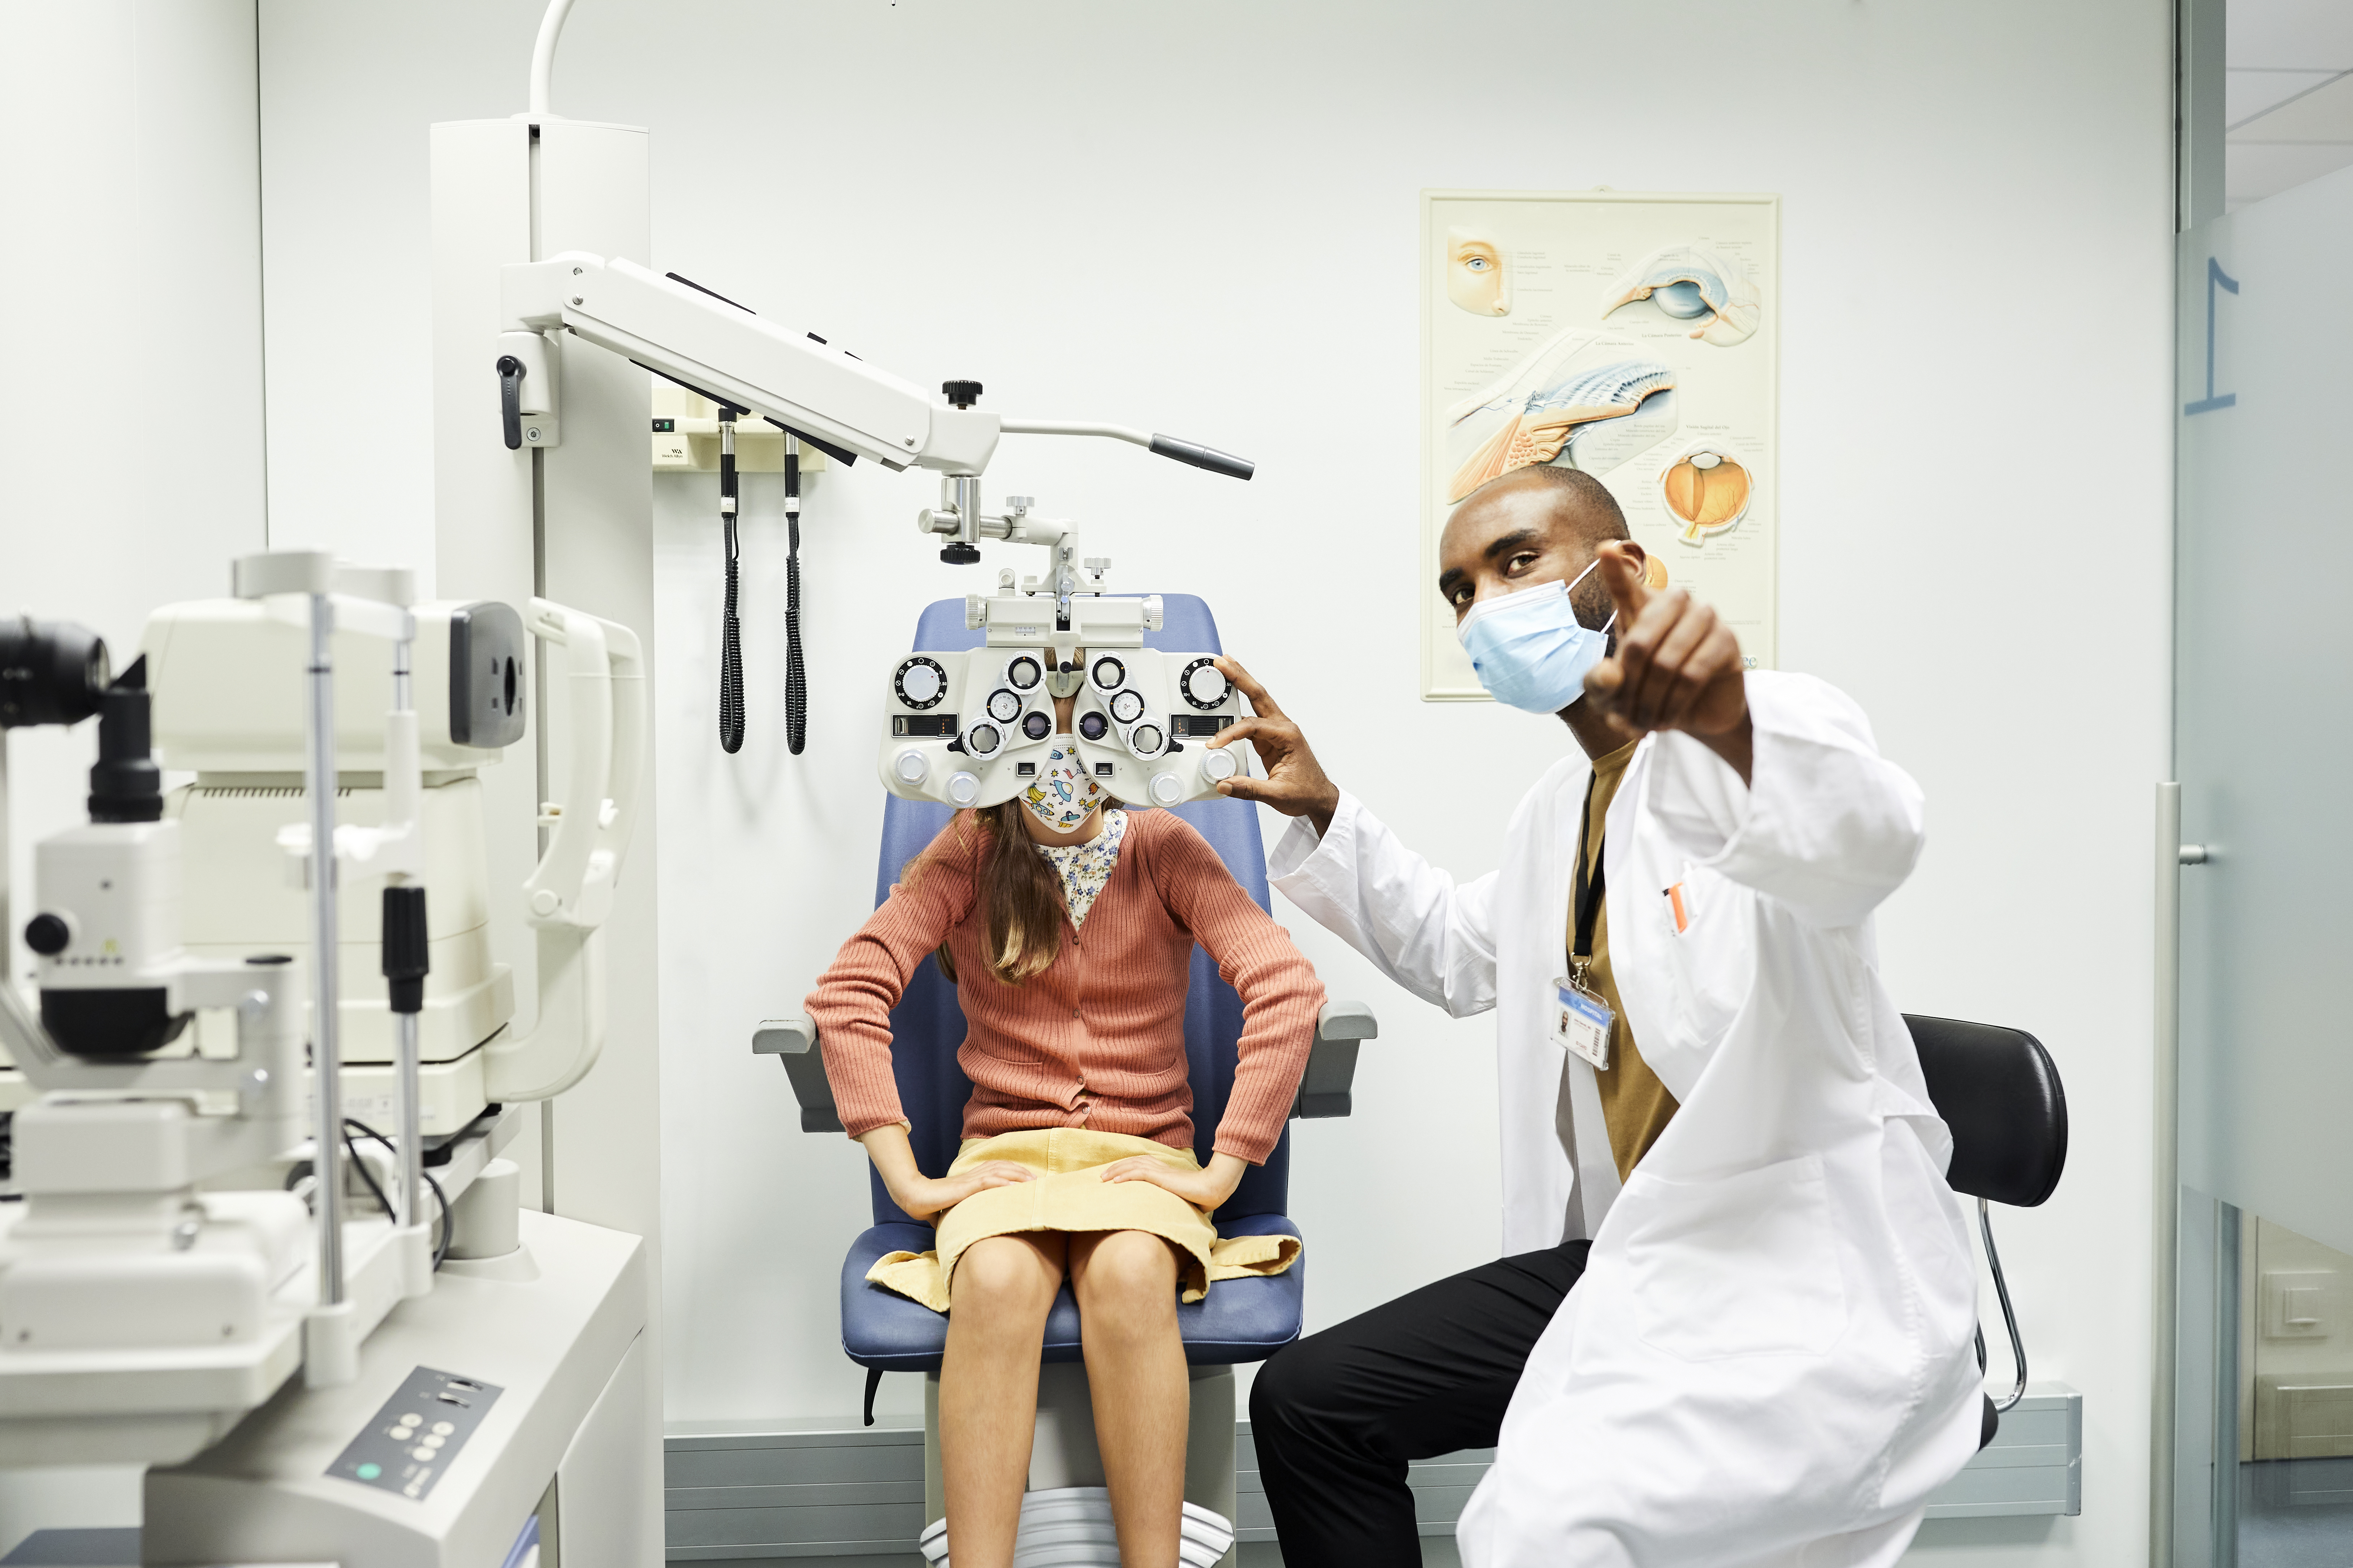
1529,647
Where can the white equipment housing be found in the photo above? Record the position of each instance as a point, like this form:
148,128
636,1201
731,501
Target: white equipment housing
228,706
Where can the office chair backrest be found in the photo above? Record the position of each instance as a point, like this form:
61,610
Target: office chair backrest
2000,1094
928,1025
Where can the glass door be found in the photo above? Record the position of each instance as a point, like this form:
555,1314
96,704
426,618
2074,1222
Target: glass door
2262,1431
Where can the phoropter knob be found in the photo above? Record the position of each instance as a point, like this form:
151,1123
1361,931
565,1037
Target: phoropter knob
960,555
961,394
920,682
1203,685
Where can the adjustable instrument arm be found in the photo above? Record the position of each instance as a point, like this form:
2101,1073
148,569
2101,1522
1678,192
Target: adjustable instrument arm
794,380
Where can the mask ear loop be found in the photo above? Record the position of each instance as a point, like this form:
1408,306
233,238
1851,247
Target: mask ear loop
1591,568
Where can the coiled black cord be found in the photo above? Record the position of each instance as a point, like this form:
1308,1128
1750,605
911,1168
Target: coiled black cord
731,630
730,660
796,676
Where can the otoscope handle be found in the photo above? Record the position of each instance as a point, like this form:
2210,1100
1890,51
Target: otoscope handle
1202,457
511,400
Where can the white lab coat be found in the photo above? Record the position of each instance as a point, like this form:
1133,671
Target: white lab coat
1768,1360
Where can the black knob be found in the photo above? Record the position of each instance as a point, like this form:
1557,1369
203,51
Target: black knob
961,554
407,954
962,394
47,935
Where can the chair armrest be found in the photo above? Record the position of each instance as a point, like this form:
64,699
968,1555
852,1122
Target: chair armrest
1325,1087
794,1042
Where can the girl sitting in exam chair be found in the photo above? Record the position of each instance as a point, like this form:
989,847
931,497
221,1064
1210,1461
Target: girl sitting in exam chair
1068,924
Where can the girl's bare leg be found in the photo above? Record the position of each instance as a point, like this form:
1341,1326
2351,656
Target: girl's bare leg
1125,1282
988,1388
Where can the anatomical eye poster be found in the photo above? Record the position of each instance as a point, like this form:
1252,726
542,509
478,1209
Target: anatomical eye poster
1631,337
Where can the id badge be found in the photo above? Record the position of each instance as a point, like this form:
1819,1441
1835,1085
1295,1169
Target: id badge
1581,1023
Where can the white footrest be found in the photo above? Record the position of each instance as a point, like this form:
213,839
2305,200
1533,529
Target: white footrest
1071,1527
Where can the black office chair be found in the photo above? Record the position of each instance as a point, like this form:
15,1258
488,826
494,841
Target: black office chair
2000,1094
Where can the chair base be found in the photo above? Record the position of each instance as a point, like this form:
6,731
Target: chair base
1063,1453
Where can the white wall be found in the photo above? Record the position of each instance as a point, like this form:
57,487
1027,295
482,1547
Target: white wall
1204,219
130,444
131,461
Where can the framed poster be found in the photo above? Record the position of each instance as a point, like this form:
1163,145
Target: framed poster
1636,337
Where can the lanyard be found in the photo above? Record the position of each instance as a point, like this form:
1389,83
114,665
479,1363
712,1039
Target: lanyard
1587,897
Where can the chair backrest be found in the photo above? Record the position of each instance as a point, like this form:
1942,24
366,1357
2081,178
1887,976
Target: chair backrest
1999,1092
927,1027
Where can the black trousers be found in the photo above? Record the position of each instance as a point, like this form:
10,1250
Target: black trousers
1337,1416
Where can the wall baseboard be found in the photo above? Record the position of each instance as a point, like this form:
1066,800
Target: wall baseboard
828,1488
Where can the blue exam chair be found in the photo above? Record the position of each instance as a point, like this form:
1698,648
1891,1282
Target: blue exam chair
1241,1321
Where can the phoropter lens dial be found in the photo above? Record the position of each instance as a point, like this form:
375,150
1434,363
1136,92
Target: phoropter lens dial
1145,739
1038,726
1024,674
1004,706
1126,707
1108,674
1203,684
982,740
1093,726
920,682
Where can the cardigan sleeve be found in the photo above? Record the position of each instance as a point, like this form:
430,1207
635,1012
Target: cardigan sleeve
852,1002
1281,996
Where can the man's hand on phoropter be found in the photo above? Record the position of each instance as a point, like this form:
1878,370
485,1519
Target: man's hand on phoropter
1295,783
1677,665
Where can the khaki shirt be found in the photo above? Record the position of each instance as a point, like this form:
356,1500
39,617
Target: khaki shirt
1635,1106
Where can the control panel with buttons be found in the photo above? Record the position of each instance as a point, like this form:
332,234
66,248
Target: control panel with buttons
410,1444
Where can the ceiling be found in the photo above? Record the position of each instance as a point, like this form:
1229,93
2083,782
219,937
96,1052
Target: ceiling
2288,100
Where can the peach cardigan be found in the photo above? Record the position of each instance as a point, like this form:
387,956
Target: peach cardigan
1098,1039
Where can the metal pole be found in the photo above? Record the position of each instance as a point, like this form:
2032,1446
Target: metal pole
2167,1214
404,1025
326,1062
2230,1258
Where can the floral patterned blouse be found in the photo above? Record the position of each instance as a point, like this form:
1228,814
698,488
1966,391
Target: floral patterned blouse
1085,868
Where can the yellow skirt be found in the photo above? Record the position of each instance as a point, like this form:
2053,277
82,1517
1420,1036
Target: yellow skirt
1069,1194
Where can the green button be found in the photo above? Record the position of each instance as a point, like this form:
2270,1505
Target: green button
370,1472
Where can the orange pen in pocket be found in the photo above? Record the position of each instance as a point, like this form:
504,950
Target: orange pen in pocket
1682,909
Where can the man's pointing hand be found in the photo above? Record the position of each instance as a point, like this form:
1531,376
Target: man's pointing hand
1677,665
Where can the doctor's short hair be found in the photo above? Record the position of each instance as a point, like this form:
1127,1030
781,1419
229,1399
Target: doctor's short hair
1596,511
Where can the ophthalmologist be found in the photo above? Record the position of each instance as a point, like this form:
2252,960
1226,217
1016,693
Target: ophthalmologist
1733,1325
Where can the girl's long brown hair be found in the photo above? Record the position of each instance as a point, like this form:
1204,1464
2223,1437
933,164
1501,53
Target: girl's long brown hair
1020,897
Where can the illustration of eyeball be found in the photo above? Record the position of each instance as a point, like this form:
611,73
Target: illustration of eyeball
1654,574
1687,282
1478,279
1707,492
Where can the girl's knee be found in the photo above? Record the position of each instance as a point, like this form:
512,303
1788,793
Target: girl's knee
1003,1273
1131,1268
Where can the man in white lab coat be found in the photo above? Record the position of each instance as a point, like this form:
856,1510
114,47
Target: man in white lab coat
1766,1358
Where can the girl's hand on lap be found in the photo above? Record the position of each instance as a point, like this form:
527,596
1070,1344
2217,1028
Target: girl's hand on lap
1204,1189
928,1198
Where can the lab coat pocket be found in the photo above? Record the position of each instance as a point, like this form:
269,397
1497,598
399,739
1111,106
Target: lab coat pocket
1734,1266
1708,920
